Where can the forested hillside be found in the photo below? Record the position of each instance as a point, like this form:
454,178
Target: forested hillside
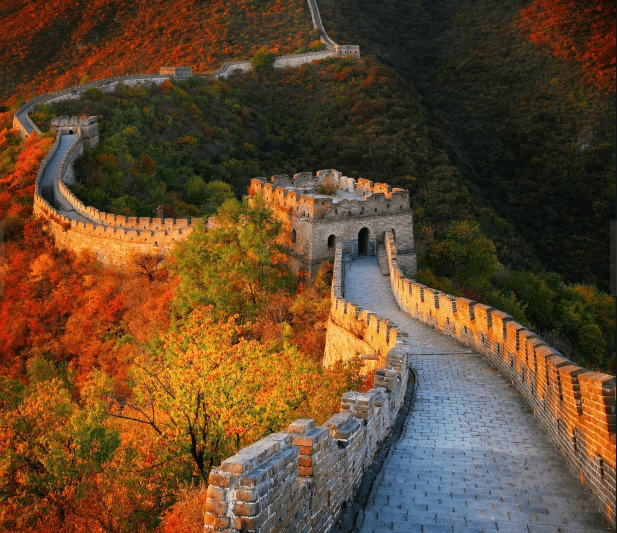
185,145
524,101
52,45
497,116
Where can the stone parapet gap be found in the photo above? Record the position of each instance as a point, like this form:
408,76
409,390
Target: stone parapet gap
575,406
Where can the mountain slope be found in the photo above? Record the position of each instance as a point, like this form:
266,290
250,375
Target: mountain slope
530,130
51,45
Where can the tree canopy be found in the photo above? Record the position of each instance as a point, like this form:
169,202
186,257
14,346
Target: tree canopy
235,267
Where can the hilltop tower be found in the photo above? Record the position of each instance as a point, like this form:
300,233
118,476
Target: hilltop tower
180,73
88,126
319,211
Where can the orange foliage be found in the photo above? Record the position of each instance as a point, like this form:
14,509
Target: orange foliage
187,515
52,45
58,305
577,30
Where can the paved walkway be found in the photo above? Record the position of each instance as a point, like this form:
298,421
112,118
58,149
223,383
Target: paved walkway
472,457
51,178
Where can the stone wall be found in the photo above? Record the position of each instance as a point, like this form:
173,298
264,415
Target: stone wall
26,126
315,221
287,61
66,174
112,246
576,407
170,226
356,331
301,478
296,60
315,15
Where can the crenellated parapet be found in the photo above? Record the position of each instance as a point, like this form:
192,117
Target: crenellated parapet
114,246
115,240
356,332
302,478
330,195
321,210
170,226
575,406
87,127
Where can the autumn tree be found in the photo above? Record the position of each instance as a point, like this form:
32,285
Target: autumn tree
463,254
67,466
234,267
577,30
52,451
209,389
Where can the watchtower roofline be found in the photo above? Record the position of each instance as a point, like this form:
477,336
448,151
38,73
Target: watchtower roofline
177,72
330,195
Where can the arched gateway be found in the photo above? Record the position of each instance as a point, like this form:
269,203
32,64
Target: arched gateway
363,246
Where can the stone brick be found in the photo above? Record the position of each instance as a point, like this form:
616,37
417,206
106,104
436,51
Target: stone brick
215,507
216,494
220,522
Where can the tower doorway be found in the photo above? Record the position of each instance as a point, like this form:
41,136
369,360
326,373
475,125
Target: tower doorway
363,241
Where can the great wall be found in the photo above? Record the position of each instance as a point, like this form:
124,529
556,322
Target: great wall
304,478
118,241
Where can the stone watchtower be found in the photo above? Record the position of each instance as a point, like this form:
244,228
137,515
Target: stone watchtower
347,50
180,73
319,211
88,126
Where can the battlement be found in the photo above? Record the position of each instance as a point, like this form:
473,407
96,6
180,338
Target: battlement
575,406
167,225
177,72
330,195
65,120
322,209
304,477
347,50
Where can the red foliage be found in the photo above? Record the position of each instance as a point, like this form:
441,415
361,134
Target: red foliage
577,30
53,303
55,44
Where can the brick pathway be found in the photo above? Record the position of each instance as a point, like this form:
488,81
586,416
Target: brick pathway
50,178
472,457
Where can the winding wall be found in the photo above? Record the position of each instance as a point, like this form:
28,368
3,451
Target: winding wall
116,239
576,407
299,479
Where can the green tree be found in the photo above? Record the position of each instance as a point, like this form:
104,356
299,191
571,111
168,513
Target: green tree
463,254
587,319
215,194
539,292
195,190
263,60
235,267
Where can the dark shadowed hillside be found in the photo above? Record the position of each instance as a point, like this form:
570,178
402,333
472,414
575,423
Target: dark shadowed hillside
534,132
